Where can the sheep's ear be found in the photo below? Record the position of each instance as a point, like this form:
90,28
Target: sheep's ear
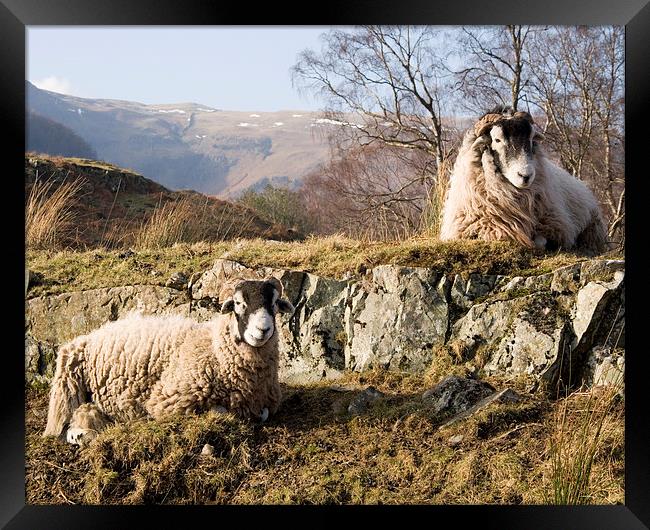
284,306
228,306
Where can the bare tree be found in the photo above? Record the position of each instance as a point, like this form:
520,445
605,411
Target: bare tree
492,67
389,79
372,192
577,80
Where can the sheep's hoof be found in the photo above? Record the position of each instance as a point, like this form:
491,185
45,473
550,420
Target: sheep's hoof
78,436
265,415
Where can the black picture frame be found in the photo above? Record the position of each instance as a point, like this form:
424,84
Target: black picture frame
15,15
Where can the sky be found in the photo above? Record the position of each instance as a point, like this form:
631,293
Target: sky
225,67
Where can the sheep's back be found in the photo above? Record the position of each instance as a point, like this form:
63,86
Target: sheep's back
123,360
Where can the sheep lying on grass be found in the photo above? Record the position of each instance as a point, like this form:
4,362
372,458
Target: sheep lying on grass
504,187
152,366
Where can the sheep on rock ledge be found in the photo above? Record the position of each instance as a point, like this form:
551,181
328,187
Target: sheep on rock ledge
153,366
504,187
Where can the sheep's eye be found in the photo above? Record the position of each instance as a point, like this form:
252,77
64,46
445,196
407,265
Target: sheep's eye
497,140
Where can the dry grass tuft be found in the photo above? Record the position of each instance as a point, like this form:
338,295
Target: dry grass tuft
586,428
49,213
189,220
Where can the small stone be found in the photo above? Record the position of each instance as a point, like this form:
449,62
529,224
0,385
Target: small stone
503,397
363,400
456,394
208,450
455,440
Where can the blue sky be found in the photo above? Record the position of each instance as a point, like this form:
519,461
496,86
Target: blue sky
230,68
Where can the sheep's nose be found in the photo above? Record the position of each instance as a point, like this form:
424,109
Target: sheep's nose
264,330
525,177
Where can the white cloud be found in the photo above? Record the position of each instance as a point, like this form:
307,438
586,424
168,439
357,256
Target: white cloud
54,84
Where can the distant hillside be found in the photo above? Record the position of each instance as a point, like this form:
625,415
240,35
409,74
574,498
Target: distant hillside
115,202
52,138
192,146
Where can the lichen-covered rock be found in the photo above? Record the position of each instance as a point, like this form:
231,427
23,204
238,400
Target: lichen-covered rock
210,282
527,350
312,340
591,302
525,335
62,317
541,282
464,292
604,367
566,279
506,396
455,394
395,319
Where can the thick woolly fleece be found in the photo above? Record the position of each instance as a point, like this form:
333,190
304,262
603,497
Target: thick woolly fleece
481,204
156,366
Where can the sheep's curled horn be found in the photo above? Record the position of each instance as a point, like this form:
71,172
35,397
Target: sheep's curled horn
489,120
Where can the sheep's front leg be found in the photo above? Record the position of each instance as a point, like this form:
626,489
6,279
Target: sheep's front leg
86,423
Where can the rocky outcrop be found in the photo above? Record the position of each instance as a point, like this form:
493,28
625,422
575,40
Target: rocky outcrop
394,318
569,322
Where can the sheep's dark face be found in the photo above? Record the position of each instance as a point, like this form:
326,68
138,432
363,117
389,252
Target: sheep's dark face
512,145
255,304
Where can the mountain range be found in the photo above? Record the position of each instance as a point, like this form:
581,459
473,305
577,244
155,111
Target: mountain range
189,145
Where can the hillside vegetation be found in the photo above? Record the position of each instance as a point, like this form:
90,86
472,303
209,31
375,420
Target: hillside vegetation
113,205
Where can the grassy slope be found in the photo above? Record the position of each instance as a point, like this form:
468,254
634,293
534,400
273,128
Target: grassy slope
314,452
62,271
108,215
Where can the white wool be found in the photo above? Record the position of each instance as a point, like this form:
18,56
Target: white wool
481,204
157,366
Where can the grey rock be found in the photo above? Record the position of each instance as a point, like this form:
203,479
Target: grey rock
177,280
53,320
505,396
207,450
527,350
394,319
566,279
604,367
211,281
363,400
531,284
465,291
312,339
456,394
